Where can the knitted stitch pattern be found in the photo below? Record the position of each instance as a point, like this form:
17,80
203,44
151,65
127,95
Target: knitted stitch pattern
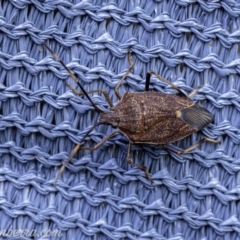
99,195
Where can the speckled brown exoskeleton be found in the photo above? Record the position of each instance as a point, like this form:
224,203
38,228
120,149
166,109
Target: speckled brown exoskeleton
146,117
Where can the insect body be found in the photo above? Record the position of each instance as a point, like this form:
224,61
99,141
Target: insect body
156,118
146,117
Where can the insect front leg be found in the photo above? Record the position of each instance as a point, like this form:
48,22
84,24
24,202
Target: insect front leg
103,91
129,161
116,90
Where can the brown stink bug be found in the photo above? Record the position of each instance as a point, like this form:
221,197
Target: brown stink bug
146,117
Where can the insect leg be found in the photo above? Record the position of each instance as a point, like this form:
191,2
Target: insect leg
168,82
100,143
124,76
77,148
129,161
103,91
194,92
205,139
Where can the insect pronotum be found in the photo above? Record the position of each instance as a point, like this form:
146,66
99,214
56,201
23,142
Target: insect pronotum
145,117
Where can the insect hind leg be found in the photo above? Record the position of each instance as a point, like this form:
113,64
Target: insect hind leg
205,139
168,82
129,161
187,150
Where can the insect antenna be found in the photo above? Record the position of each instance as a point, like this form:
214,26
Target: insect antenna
73,77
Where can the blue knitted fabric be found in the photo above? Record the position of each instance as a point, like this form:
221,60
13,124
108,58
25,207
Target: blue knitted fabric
99,195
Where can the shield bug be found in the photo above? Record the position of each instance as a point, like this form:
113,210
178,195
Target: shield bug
146,117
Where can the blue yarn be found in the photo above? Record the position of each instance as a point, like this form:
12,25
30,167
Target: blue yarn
99,195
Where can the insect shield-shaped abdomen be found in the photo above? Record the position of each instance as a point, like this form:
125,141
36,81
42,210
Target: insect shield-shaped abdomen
156,118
